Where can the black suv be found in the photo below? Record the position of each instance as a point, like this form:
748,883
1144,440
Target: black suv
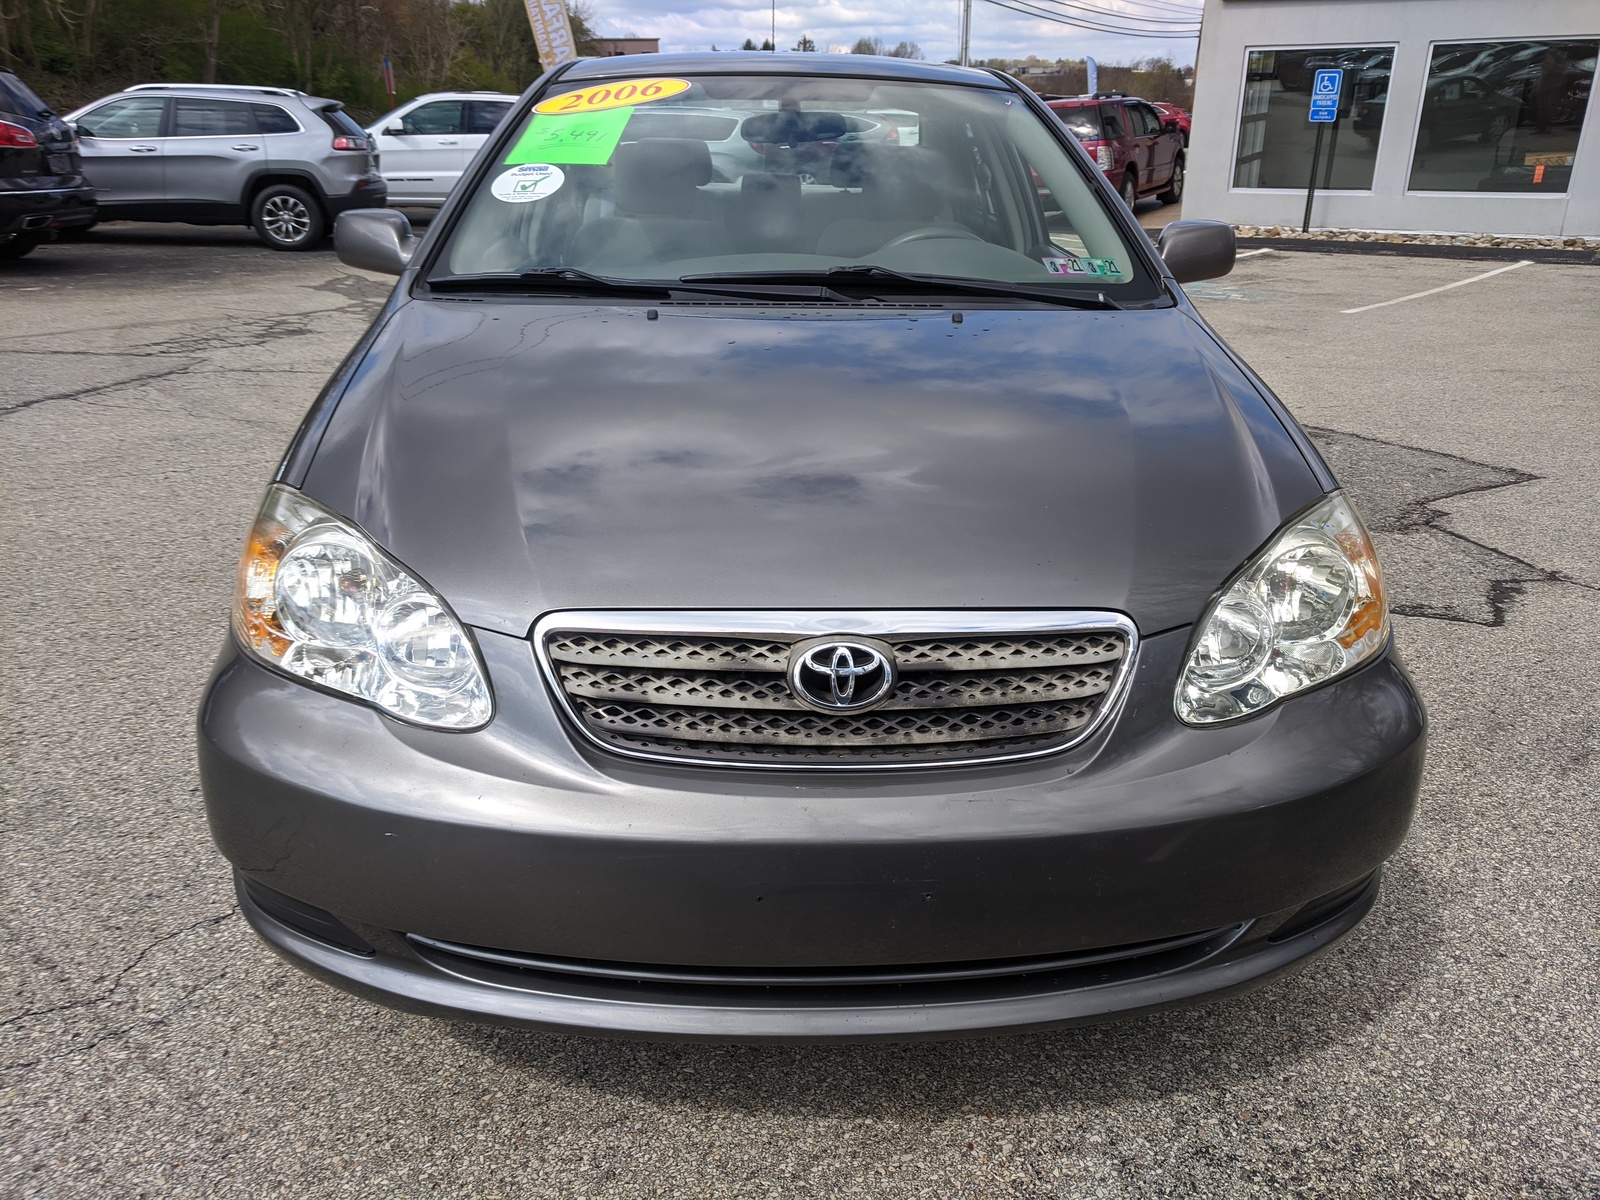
42,188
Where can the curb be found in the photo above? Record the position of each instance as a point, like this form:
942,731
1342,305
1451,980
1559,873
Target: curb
1541,254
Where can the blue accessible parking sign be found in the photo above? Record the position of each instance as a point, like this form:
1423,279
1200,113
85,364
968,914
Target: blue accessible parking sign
1325,90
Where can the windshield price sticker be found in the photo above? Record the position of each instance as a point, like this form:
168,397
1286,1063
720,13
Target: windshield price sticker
612,95
586,138
524,184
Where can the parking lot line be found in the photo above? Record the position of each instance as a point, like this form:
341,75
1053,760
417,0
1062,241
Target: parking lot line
1248,253
1458,283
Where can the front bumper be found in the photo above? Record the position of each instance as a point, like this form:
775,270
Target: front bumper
520,839
44,209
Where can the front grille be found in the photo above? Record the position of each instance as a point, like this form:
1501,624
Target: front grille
1152,957
716,696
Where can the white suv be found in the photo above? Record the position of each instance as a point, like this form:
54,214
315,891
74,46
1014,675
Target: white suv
426,143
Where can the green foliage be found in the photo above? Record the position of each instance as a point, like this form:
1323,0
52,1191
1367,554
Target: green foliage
73,51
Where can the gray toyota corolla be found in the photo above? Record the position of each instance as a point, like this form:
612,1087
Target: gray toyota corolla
862,599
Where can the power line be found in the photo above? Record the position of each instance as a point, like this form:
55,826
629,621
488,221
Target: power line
1106,14
1062,19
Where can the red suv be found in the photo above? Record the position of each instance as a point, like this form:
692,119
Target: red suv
1139,149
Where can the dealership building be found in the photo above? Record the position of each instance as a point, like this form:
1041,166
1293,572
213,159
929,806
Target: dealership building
1450,116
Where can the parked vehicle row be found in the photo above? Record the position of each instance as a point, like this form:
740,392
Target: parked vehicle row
286,164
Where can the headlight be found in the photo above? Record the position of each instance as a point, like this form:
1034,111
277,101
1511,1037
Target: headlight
318,599
1307,608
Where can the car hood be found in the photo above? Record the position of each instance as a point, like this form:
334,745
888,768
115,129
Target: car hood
524,458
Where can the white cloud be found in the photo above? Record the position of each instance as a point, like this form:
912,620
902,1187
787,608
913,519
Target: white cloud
932,24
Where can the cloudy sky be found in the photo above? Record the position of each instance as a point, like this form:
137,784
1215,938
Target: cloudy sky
932,24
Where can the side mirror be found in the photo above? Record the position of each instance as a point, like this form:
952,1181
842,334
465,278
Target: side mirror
1192,250
374,239
394,131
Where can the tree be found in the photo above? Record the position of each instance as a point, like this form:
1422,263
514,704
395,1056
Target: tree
766,44
749,44
876,45
805,45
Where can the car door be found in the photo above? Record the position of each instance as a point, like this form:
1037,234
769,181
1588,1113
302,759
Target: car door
1163,145
122,149
213,148
421,153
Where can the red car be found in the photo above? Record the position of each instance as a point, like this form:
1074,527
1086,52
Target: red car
1174,113
1139,149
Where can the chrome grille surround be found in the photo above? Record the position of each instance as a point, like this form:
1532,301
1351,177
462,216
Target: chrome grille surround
709,687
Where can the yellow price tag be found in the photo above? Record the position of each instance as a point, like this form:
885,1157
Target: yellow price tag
613,95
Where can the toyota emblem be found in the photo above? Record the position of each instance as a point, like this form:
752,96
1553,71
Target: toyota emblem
836,675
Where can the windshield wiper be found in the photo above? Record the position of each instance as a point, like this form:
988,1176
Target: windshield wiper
573,279
563,279
869,277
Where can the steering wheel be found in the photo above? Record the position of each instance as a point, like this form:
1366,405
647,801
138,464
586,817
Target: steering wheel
930,233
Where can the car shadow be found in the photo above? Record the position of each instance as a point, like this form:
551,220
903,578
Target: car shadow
1336,998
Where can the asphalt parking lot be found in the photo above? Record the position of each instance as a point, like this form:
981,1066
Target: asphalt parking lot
149,379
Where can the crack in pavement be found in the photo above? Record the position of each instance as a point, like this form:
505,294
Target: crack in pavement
195,346
1432,571
109,991
85,393
116,980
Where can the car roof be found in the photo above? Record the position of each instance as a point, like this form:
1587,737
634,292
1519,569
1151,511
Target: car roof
483,95
737,62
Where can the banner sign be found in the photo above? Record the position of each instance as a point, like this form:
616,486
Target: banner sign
552,32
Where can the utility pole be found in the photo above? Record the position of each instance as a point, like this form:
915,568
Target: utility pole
966,31
774,26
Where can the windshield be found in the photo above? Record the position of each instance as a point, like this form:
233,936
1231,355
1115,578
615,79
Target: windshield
786,176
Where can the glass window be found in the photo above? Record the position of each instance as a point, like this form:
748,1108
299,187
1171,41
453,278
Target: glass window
484,115
441,116
780,179
1115,127
17,97
1145,121
1277,135
211,118
135,117
1502,116
341,122
1083,120
272,119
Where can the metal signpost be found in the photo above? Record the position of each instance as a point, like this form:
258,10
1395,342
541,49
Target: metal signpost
1327,87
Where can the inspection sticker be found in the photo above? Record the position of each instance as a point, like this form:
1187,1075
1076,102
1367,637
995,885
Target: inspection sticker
582,138
531,181
613,95
1082,266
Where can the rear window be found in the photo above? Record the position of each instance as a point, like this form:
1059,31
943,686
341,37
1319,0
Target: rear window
1083,120
341,122
16,97
680,125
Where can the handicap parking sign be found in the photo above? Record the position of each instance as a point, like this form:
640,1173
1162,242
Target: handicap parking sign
1326,87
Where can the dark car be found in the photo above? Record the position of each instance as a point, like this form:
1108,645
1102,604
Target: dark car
1453,107
42,188
879,608
1140,149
